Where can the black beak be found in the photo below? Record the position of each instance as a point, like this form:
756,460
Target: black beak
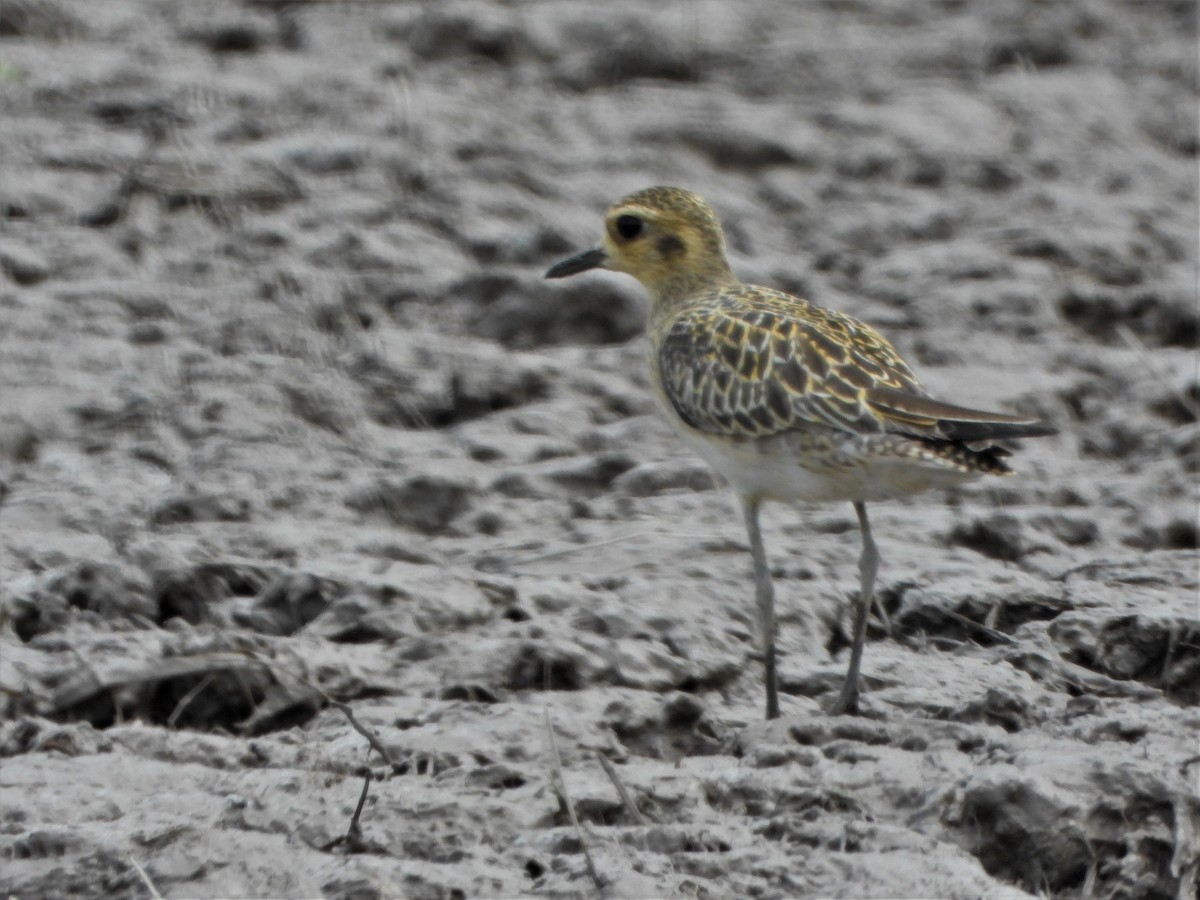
580,262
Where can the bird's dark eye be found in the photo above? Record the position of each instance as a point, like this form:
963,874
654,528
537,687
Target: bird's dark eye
629,227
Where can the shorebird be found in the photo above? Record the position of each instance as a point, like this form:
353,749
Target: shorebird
786,400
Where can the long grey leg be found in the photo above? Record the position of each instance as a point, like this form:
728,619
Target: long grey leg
765,594
868,565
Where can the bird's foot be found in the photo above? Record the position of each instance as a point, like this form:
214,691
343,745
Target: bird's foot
847,702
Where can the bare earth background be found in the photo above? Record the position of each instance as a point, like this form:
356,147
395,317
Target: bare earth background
289,416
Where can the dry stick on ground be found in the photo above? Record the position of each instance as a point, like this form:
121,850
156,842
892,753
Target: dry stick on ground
630,806
970,624
354,832
354,838
341,707
597,880
371,738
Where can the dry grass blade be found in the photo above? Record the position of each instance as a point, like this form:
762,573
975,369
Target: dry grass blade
630,807
597,880
1169,658
186,700
145,879
1134,343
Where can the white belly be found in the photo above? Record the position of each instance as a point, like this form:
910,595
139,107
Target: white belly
793,468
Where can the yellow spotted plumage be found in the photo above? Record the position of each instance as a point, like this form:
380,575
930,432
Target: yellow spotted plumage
787,400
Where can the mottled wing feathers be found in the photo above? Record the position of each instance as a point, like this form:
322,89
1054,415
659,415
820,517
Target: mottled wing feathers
754,363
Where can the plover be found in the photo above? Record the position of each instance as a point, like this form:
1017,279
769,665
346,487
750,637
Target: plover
786,400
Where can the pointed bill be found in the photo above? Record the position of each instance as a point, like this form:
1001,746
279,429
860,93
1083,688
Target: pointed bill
595,258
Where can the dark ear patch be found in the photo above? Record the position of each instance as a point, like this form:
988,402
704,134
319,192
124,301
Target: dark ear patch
670,246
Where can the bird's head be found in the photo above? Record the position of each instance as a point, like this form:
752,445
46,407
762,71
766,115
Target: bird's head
667,238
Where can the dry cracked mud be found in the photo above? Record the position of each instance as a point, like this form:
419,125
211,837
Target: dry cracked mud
295,438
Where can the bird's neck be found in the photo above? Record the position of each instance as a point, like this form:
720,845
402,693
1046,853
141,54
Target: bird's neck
682,288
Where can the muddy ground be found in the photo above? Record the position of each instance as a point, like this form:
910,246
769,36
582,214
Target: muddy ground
291,428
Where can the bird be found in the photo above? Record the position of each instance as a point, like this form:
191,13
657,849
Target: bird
786,400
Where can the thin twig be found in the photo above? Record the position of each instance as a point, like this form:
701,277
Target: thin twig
354,838
630,806
341,707
353,842
971,625
154,894
370,736
599,882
